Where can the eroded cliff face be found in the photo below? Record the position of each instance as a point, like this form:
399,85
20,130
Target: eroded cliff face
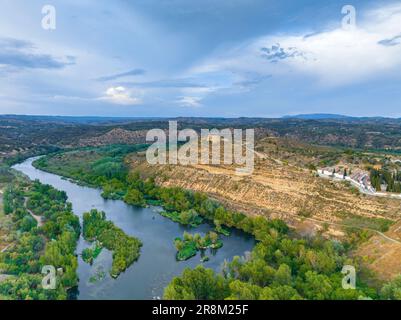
275,190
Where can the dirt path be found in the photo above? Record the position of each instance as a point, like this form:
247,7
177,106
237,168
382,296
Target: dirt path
37,218
4,249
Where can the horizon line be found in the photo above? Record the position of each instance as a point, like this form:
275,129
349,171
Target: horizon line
301,116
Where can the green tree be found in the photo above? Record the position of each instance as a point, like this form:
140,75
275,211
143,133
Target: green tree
392,290
316,286
179,244
283,275
213,237
134,197
244,291
198,284
28,223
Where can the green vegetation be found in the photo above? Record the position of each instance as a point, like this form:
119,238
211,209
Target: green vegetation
185,249
102,166
126,250
135,198
392,179
191,244
200,283
6,176
90,254
53,243
279,268
31,152
392,290
379,224
356,222
98,276
185,218
220,229
183,206
27,132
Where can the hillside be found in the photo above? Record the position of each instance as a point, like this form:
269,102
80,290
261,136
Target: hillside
30,134
279,188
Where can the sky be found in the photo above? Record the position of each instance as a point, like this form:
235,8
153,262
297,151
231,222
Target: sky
207,58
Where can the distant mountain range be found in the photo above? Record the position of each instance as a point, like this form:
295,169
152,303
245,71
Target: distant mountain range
111,120
318,116
26,132
75,119
329,116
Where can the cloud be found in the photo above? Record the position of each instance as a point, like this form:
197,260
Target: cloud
167,83
276,53
134,72
332,57
251,80
189,101
120,95
18,54
394,41
186,92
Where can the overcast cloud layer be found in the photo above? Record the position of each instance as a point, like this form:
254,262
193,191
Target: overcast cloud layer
200,58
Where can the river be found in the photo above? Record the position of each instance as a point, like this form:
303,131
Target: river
147,277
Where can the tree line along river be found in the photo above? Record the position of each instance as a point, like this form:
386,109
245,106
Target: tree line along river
157,264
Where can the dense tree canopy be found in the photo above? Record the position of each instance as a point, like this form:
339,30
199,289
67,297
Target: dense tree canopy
281,266
53,243
125,249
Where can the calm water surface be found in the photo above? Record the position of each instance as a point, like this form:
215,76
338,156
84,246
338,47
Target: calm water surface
157,265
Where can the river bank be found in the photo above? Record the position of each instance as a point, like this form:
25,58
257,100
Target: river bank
157,265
